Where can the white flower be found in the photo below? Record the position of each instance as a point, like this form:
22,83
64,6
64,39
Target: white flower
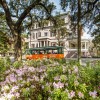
2,98
5,88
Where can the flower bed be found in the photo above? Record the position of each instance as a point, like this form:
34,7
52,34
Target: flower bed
50,80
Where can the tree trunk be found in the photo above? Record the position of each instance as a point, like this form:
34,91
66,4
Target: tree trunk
17,45
79,30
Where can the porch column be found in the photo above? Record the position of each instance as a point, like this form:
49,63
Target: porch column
44,44
47,42
38,44
85,50
85,45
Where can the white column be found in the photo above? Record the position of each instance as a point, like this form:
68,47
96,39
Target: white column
85,45
38,44
44,44
47,43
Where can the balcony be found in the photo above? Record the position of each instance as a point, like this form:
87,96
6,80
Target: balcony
43,37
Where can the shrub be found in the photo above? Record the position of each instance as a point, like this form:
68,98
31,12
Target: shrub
53,81
4,65
17,64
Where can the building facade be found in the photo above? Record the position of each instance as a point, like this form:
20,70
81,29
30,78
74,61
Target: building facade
41,37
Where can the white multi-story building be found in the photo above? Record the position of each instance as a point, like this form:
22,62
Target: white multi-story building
40,37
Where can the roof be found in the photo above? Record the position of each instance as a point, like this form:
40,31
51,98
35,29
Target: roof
46,48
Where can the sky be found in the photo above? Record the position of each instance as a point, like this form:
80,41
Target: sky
58,8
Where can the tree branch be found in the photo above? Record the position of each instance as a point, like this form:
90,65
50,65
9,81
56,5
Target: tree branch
92,4
26,11
7,13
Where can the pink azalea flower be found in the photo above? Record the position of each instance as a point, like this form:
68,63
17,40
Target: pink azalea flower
93,94
75,69
17,94
81,95
13,79
58,85
57,78
19,72
31,69
14,88
71,94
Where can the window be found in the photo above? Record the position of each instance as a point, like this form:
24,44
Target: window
52,34
33,35
33,45
37,25
39,34
36,35
83,46
45,34
37,45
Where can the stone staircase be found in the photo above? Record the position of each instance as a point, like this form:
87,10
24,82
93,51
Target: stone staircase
71,54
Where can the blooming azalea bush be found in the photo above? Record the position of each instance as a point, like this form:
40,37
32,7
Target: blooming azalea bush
49,79
4,65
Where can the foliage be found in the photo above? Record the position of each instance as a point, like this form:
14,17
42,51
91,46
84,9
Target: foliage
59,29
96,34
20,15
5,63
17,64
53,81
83,13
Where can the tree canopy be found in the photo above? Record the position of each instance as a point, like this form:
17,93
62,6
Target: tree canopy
83,13
20,13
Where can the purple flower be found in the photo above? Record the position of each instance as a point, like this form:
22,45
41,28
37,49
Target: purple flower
93,94
71,94
57,78
19,72
58,85
17,94
14,88
75,69
31,69
81,95
13,79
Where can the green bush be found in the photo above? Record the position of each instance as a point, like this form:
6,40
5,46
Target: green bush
17,64
57,80
5,64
